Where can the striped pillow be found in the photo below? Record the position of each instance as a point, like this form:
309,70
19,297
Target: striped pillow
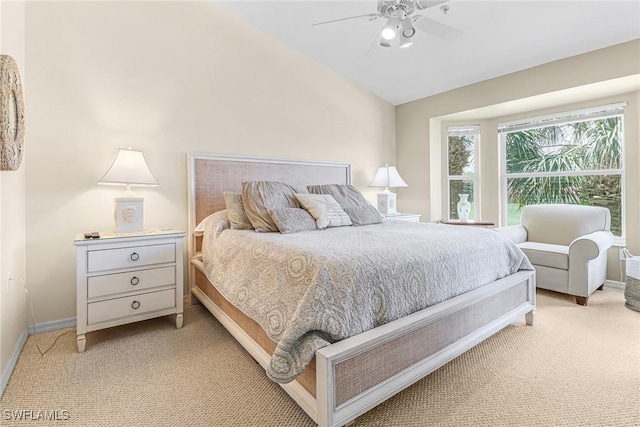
360,211
258,197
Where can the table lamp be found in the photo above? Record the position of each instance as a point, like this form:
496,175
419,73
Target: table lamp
387,176
129,168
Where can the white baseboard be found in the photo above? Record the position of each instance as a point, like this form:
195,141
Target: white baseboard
30,330
8,370
614,285
52,326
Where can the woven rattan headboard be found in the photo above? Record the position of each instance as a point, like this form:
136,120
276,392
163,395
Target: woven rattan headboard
212,174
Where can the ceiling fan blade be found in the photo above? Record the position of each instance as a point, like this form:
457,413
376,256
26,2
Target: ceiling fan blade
424,4
436,28
371,16
375,40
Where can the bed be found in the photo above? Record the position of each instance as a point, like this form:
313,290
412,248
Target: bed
348,377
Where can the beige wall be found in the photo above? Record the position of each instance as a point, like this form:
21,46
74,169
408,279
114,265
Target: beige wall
167,78
557,86
170,78
12,206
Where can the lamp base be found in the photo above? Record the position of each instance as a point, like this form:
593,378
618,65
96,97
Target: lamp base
387,203
128,214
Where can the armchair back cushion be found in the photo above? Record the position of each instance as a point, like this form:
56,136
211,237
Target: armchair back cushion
561,224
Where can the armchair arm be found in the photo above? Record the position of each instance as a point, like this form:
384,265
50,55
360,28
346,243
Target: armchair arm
515,233
590,246
588,262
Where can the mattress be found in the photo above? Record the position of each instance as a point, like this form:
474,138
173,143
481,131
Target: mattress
310,289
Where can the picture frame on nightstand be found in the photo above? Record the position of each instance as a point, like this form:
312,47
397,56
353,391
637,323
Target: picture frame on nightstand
128,213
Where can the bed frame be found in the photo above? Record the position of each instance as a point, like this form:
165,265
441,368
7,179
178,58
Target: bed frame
356,374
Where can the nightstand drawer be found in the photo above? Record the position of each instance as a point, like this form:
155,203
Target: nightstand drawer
131,281
128,306
134,256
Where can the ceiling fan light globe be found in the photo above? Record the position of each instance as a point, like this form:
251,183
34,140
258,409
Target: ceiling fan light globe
388,33
390,29
407,27
409,33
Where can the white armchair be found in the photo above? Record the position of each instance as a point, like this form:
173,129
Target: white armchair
567,245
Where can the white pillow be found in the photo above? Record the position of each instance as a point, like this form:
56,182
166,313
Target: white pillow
324,209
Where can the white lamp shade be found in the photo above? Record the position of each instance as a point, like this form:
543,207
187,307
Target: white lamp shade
129,168
387,176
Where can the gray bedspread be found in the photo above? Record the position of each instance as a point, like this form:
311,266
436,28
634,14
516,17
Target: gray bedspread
310,289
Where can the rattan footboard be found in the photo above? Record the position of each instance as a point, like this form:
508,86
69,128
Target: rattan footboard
362,371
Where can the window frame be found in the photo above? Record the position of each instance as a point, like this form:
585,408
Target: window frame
559,119
462,130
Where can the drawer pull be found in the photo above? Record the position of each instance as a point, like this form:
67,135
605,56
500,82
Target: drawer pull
134,256
135,305
134,281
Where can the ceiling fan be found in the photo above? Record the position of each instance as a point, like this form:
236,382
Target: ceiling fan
401,25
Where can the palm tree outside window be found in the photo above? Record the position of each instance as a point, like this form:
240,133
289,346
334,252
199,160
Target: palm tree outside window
574,157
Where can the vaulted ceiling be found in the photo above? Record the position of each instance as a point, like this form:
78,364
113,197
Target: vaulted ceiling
498,38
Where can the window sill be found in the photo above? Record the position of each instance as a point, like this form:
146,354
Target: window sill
620,242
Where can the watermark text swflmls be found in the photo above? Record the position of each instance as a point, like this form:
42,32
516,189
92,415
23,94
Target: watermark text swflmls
36,415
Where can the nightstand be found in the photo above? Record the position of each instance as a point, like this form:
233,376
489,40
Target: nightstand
125,278
408,217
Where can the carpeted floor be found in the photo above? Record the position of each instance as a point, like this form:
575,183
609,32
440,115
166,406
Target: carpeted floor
578,366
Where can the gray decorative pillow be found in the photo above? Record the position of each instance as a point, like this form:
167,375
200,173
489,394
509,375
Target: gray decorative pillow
292,220
324,209
364,215
345,195
350,198
258,197
235,211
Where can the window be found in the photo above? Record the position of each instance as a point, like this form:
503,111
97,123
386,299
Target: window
574,158
462,149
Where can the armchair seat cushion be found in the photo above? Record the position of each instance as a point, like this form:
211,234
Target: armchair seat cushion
546,254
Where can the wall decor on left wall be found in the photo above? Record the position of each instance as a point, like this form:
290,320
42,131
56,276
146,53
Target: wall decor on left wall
11,115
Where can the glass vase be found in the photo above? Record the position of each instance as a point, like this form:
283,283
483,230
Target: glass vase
463,207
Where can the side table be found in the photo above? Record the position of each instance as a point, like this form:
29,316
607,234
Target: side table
125,278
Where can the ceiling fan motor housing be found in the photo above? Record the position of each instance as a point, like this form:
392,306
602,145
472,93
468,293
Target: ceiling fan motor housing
387,8
401,25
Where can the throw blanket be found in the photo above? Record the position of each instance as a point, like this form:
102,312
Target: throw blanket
310,289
